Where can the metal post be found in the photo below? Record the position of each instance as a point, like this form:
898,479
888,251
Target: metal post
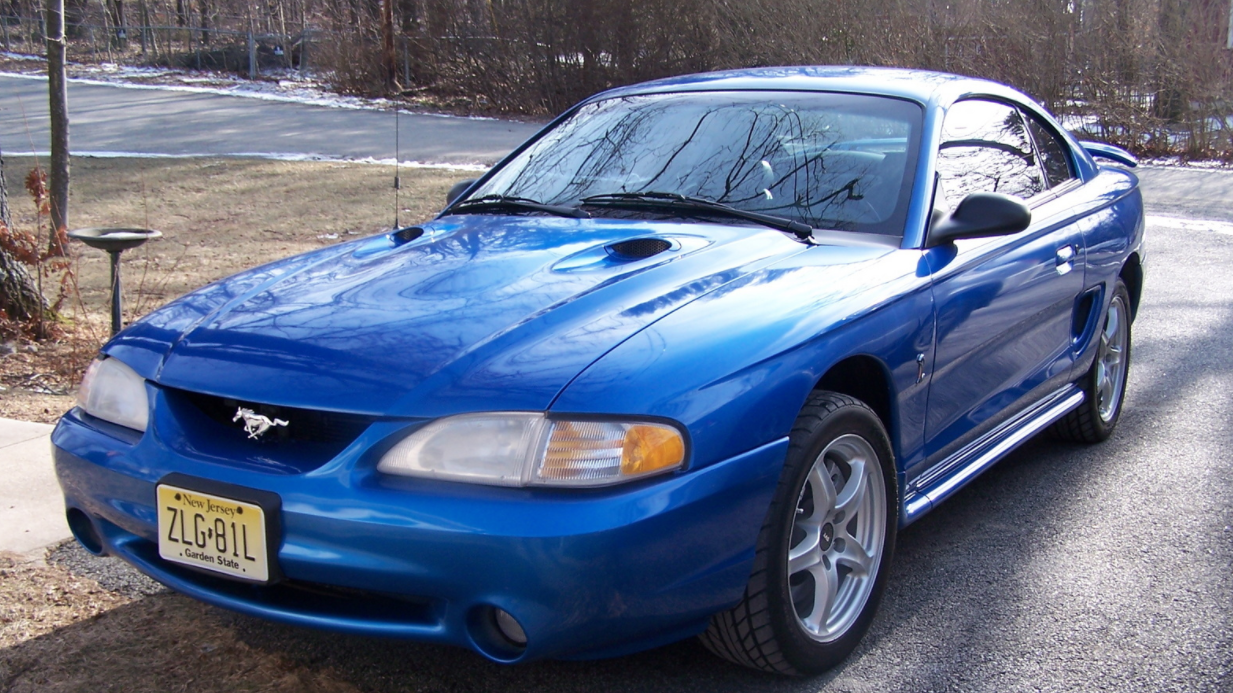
252,57
1229,39
115,291
114,241
5,25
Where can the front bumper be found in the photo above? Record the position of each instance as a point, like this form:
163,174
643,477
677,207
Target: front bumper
586,573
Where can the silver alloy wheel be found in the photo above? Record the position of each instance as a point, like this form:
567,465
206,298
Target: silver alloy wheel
1111,364
837,538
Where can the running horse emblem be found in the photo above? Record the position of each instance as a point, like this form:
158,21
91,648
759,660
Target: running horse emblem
255,425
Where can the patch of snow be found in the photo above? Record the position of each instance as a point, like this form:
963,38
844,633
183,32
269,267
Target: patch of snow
276,156
1199,225
290,88
22,56
116,71
1074,122
1175,162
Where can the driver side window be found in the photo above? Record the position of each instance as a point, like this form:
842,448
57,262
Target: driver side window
985,148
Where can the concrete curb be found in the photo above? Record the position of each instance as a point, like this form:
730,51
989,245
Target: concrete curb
31,505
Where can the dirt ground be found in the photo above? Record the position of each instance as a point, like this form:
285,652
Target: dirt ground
62,632
217,216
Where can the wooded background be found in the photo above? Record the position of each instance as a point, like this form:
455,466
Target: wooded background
1155,76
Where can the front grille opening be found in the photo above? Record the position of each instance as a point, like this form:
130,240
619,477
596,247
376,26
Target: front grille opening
308,439
308,425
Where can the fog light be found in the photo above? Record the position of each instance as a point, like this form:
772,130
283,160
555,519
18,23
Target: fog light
509,628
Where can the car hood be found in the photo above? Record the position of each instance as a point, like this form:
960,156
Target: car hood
479,313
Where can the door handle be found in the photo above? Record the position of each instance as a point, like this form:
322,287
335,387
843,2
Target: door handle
1065,259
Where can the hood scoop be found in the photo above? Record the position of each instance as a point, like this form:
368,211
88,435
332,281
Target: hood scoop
408,234
637,248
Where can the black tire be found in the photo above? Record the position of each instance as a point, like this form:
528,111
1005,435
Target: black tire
1094,420
764,631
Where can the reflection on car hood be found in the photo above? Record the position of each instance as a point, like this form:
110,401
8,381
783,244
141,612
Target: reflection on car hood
481,312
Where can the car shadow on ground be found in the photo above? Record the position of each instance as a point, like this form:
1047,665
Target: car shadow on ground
1032,577
1065,566
956,580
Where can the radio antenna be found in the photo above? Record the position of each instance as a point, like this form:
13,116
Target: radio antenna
397,162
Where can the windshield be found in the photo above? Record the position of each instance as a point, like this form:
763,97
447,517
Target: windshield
832,161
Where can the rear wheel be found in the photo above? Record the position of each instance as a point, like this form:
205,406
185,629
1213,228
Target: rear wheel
1105,382
824,549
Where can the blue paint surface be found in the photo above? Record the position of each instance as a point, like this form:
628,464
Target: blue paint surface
726,333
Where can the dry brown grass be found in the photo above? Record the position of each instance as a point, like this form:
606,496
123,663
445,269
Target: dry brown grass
62,632
218,216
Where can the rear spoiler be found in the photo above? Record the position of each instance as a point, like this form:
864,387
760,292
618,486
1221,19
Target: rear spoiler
1110,152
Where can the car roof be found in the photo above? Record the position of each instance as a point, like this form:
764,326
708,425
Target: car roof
922,86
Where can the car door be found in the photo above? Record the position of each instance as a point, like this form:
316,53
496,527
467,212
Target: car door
1005,304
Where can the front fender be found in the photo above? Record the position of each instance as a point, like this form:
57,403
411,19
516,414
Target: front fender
736,366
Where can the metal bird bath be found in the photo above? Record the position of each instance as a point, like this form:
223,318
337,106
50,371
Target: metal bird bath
114,241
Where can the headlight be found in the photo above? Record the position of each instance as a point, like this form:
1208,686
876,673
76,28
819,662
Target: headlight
114,392
528,449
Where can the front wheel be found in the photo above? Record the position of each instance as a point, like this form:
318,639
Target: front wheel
824,549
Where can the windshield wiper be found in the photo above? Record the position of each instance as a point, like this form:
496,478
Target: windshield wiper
677,201
512,202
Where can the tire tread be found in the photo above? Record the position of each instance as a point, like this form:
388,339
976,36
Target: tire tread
744,634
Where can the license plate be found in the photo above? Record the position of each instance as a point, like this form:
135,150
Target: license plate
210,532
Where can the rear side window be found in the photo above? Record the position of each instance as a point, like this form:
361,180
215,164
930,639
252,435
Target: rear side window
985,148
1053,156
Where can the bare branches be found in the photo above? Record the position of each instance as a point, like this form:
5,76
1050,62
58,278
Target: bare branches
1152,75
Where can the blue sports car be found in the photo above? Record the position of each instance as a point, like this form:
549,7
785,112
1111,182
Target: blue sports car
682,364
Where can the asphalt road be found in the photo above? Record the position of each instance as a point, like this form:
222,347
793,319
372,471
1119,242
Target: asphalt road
110,118
1064,568
104,118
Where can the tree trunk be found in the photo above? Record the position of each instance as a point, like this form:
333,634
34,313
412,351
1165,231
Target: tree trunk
19,298
1172,100
204,7
389,58
6,217
57,89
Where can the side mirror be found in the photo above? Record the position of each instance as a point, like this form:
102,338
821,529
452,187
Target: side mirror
459,188
979,215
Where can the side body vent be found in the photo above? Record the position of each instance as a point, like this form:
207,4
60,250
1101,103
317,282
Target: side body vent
409,233
638,248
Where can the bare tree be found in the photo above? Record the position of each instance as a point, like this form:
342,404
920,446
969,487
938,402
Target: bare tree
19,296
57,90
389,57
1157,72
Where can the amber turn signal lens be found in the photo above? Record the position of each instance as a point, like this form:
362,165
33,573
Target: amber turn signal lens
650,448
596,453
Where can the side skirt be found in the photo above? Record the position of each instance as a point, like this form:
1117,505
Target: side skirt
954,472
